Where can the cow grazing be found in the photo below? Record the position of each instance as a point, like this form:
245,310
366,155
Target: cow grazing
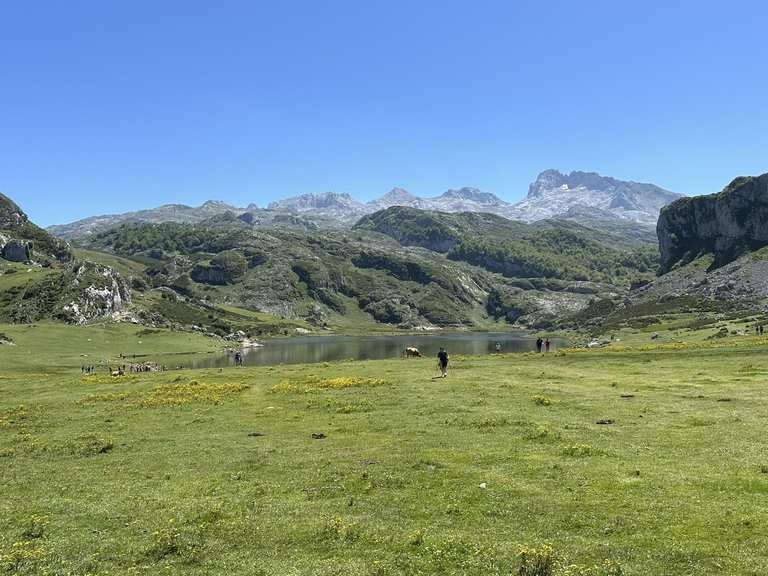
412,352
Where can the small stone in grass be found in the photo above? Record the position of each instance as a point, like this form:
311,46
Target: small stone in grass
318,435
606,421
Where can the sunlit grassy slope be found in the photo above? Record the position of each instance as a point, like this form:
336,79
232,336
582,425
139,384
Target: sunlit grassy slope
217,472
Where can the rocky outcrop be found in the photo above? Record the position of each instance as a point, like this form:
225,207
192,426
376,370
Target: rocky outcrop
207,274
11,216
15,250
98,291
726,225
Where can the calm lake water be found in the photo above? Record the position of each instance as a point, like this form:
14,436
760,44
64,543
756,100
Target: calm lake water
309,349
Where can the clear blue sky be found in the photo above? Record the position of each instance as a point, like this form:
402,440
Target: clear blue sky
109,106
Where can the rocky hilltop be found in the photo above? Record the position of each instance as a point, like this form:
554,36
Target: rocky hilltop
167,213
23,241
726,225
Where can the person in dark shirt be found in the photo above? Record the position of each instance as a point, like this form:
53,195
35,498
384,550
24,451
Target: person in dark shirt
539,343
547,344
442,362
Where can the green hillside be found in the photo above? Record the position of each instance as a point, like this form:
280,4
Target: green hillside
549,249
426,271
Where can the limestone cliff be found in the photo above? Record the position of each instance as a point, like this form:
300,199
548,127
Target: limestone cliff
727,224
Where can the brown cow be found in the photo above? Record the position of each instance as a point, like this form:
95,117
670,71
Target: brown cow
412,352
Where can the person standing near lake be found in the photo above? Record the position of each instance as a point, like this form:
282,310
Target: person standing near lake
442,362
547,344
539,343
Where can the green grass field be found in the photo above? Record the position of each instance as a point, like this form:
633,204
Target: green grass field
217,472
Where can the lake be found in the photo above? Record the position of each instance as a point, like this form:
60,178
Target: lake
310,349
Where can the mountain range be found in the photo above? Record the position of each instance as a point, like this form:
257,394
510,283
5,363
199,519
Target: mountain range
273,270
584,197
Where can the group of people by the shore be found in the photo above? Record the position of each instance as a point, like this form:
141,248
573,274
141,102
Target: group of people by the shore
123,369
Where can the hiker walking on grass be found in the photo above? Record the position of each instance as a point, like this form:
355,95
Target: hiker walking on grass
442,362
539,343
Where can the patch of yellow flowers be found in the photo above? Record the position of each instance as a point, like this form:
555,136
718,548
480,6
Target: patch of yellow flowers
544,561
22,552
315,383
13,415
173,394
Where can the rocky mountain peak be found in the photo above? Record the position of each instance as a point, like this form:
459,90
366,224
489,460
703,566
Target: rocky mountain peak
471,195
547,180
398,195
553,194
216,205
321,200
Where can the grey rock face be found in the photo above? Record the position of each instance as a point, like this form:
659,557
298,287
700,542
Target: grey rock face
209,275
16,250
727,224
100,292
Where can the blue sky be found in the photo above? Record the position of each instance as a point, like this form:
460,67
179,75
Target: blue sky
109,106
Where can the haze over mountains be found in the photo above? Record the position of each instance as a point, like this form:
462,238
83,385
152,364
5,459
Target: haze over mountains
585,197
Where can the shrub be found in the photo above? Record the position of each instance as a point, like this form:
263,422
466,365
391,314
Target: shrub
537,561
337,528
541,400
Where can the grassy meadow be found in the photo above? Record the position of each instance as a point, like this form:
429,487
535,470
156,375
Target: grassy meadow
375,468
